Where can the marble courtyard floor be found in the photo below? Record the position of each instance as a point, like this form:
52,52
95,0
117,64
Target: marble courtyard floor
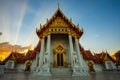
106,75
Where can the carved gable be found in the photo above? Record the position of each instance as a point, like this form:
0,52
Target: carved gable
59,22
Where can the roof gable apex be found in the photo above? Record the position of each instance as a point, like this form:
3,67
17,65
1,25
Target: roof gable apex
59,18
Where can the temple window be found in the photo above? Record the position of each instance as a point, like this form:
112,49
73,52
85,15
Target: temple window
55,29
51,29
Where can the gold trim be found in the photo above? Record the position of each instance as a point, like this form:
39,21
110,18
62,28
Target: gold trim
59,49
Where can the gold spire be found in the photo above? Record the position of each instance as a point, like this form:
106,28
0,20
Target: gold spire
58,6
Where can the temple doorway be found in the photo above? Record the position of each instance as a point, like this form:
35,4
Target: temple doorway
59,56
28,66
59,59
91,66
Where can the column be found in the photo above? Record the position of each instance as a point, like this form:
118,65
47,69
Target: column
48,48
37,56
71,49
80,58
42,52
44,57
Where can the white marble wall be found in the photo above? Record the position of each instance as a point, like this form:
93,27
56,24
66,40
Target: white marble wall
65,42
20,67
110,65
2,69
10,64
98,67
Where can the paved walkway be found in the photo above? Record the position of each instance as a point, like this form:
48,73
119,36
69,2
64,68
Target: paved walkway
108,75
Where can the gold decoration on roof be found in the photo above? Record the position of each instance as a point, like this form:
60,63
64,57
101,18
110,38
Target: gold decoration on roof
59,24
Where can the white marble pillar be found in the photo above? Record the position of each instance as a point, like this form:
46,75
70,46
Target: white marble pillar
81,69
48,48
42,52
36,59
71,49
45,57
80,58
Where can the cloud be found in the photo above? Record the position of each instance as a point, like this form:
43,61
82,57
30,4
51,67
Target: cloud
5,47
11,18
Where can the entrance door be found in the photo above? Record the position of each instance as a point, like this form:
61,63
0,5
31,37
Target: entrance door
28,65
59,56
59,60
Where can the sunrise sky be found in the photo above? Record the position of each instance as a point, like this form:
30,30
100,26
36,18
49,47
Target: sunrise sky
100,20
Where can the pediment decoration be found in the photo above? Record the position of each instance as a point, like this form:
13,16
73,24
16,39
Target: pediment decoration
59,22
59,48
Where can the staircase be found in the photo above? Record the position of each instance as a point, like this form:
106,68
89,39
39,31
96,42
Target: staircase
61,71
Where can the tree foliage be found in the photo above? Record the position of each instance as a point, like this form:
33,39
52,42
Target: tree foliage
117,55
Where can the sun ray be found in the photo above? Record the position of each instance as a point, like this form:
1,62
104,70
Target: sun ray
19,19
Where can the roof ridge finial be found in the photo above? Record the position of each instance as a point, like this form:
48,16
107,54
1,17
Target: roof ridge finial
58,6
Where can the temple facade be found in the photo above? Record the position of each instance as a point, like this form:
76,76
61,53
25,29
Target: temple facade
60,49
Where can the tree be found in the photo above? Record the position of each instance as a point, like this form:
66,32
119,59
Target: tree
117,55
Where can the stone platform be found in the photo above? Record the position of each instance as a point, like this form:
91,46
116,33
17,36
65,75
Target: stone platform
106,75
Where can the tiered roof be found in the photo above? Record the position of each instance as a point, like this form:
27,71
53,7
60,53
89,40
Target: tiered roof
87,55
98,58
63,20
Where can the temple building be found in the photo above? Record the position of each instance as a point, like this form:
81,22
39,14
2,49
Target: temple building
59,51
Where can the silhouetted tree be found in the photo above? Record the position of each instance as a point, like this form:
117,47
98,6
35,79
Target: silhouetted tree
117,55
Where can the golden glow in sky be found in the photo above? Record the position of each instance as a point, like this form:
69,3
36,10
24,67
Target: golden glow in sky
6,49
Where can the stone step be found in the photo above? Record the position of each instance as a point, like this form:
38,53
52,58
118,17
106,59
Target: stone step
61,71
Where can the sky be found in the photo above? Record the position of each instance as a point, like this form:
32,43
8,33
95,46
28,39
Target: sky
100,20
